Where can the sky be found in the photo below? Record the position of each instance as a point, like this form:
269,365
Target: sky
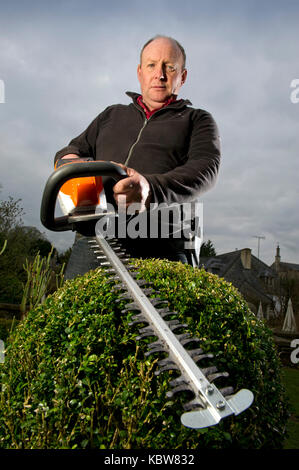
63,62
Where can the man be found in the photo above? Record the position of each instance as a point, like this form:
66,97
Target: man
170,151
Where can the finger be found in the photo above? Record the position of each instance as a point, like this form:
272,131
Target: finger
124,186
121,165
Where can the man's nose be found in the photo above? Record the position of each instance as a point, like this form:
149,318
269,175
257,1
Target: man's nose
160,73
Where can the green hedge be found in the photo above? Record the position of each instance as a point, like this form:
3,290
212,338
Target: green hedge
74,376
6,327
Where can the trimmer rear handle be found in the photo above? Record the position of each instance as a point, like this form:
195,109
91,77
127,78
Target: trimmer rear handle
63,174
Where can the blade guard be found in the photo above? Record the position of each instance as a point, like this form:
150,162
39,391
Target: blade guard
211,416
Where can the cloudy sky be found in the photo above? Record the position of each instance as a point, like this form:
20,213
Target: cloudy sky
63,62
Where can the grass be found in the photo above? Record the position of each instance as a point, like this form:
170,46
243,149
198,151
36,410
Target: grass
291,382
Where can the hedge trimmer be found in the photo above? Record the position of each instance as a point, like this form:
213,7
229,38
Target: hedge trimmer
80,189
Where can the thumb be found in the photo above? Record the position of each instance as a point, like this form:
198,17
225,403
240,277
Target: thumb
121,165
123,185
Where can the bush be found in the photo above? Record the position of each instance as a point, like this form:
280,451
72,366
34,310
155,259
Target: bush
6,326
74,376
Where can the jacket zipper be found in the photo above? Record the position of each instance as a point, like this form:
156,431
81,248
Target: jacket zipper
136,142
140,132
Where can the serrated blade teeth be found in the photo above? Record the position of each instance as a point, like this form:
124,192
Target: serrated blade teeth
209,370
132,266
178,381
103,257
194,352
157,301
170,323
124,259
104,263
134,273
177,325
147,308
165,312
118,249
170,366
113,242
148,291
200,357
164,361
143,282
193,339
125,295
180,388
133,306
138,319
183,336
226,391
144,332
94,246
186,338
195,403
217,375
155,347
118,287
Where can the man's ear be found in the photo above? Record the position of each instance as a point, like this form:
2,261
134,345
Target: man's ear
138,71
184,76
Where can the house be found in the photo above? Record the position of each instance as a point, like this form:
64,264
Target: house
283,269
256,281
288,274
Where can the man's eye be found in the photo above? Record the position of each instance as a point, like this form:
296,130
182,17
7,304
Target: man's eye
171,68
150,65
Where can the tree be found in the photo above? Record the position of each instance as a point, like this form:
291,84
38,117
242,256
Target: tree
207,249
289,285
10,215
12,258
22,243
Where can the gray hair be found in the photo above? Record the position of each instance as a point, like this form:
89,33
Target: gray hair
158,36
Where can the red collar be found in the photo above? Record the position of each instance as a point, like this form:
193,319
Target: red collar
149,113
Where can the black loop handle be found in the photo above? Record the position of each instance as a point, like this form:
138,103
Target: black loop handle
63,174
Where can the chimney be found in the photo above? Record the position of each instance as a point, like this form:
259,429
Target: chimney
277,258
246,258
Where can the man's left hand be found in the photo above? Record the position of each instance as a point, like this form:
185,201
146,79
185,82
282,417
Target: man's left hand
132,190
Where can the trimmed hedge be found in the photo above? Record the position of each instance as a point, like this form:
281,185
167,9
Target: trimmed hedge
6,327
74,376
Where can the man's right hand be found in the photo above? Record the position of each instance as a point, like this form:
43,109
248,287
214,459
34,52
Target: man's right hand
69,156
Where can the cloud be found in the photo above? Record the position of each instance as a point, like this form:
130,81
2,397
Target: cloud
64,62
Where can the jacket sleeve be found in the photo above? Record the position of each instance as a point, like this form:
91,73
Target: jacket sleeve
199,171
84,144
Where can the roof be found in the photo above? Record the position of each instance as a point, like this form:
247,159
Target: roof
289,266
230,267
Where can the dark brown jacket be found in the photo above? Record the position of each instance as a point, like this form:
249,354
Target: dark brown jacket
177,149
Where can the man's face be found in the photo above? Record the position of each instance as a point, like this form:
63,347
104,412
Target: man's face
161,72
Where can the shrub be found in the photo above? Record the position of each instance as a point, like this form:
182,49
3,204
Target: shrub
6,326
74,376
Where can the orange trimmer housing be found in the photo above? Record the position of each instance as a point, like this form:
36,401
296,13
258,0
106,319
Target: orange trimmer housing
81,194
